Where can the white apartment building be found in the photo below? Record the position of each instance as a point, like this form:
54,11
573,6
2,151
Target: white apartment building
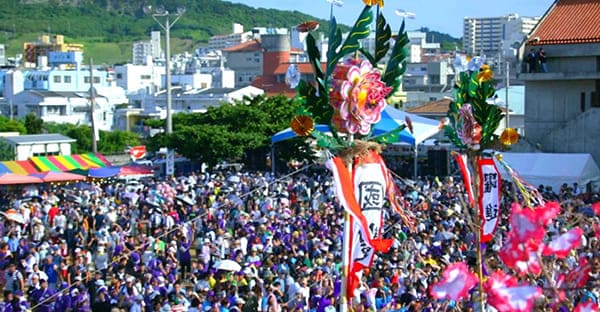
139,78
2,55
143,51
492,36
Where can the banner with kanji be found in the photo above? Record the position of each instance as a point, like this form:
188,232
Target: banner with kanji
490,192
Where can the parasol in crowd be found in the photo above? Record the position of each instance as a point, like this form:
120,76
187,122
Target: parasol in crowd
228,265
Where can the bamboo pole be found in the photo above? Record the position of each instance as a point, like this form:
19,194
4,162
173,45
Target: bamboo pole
473,158
344,304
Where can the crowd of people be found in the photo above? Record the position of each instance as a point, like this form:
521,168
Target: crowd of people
173,245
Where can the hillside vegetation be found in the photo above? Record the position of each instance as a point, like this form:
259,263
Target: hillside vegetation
107,28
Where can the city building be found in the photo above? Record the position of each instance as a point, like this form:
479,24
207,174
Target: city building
246,60
2,55
35,52
496,36
145,51
428,77
35,145
185,100
562,110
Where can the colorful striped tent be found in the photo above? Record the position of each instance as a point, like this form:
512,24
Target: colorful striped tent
22,167
70,162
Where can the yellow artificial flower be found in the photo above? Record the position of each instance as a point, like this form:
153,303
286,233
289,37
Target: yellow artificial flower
509,136
374,2
485,73
302,125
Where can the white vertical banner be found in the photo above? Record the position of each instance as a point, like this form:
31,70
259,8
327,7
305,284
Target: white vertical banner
369,187
490,192
170,164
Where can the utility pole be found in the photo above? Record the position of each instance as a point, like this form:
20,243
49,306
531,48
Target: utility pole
93,106
507,86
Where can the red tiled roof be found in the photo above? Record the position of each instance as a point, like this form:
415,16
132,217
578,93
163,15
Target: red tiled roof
435,107
248,46
303,68
273,88
569,22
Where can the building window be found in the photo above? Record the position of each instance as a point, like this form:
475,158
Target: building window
96,79
86,79
57,79
119,76
145,77
67,79
53,110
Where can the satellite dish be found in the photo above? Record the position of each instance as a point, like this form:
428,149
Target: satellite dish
181,10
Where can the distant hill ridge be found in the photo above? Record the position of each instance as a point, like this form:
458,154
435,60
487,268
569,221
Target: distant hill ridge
107,28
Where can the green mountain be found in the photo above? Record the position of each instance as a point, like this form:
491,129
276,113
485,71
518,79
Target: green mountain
447,42
107,28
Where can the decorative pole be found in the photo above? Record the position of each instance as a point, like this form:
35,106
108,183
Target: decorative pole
473,157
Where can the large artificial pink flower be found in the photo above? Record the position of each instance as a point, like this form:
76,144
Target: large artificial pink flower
506,295
469,130
562,245
358,96
455,284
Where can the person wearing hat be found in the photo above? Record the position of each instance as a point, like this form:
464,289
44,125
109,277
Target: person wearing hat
237,307
43,297
20,302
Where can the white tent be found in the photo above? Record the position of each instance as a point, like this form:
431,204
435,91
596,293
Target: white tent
551,169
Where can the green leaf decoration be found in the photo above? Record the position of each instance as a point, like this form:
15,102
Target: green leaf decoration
335,40
325,141
390,137
397,62
351,44
314,56
453,136
382,38
368,56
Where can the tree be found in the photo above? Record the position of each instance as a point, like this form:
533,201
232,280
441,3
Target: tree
112,142
33,124
7,125
236,131
7,152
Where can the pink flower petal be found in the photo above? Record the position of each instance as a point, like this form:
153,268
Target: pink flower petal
562,245
589,306
456,282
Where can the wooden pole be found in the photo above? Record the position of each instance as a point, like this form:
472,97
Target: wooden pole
344,304
473,158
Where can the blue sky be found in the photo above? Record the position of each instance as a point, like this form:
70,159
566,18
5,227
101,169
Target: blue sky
441,15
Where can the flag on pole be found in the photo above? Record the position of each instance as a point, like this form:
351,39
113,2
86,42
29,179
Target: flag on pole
490,192
461,160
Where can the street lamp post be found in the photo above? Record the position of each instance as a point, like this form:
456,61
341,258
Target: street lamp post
161,12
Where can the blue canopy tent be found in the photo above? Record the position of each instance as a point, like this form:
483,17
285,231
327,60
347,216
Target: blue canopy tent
391,118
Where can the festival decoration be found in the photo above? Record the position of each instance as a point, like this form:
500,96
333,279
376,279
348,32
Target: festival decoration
506,294
489,199
455,284
589,306
509,136
562,245
348,94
